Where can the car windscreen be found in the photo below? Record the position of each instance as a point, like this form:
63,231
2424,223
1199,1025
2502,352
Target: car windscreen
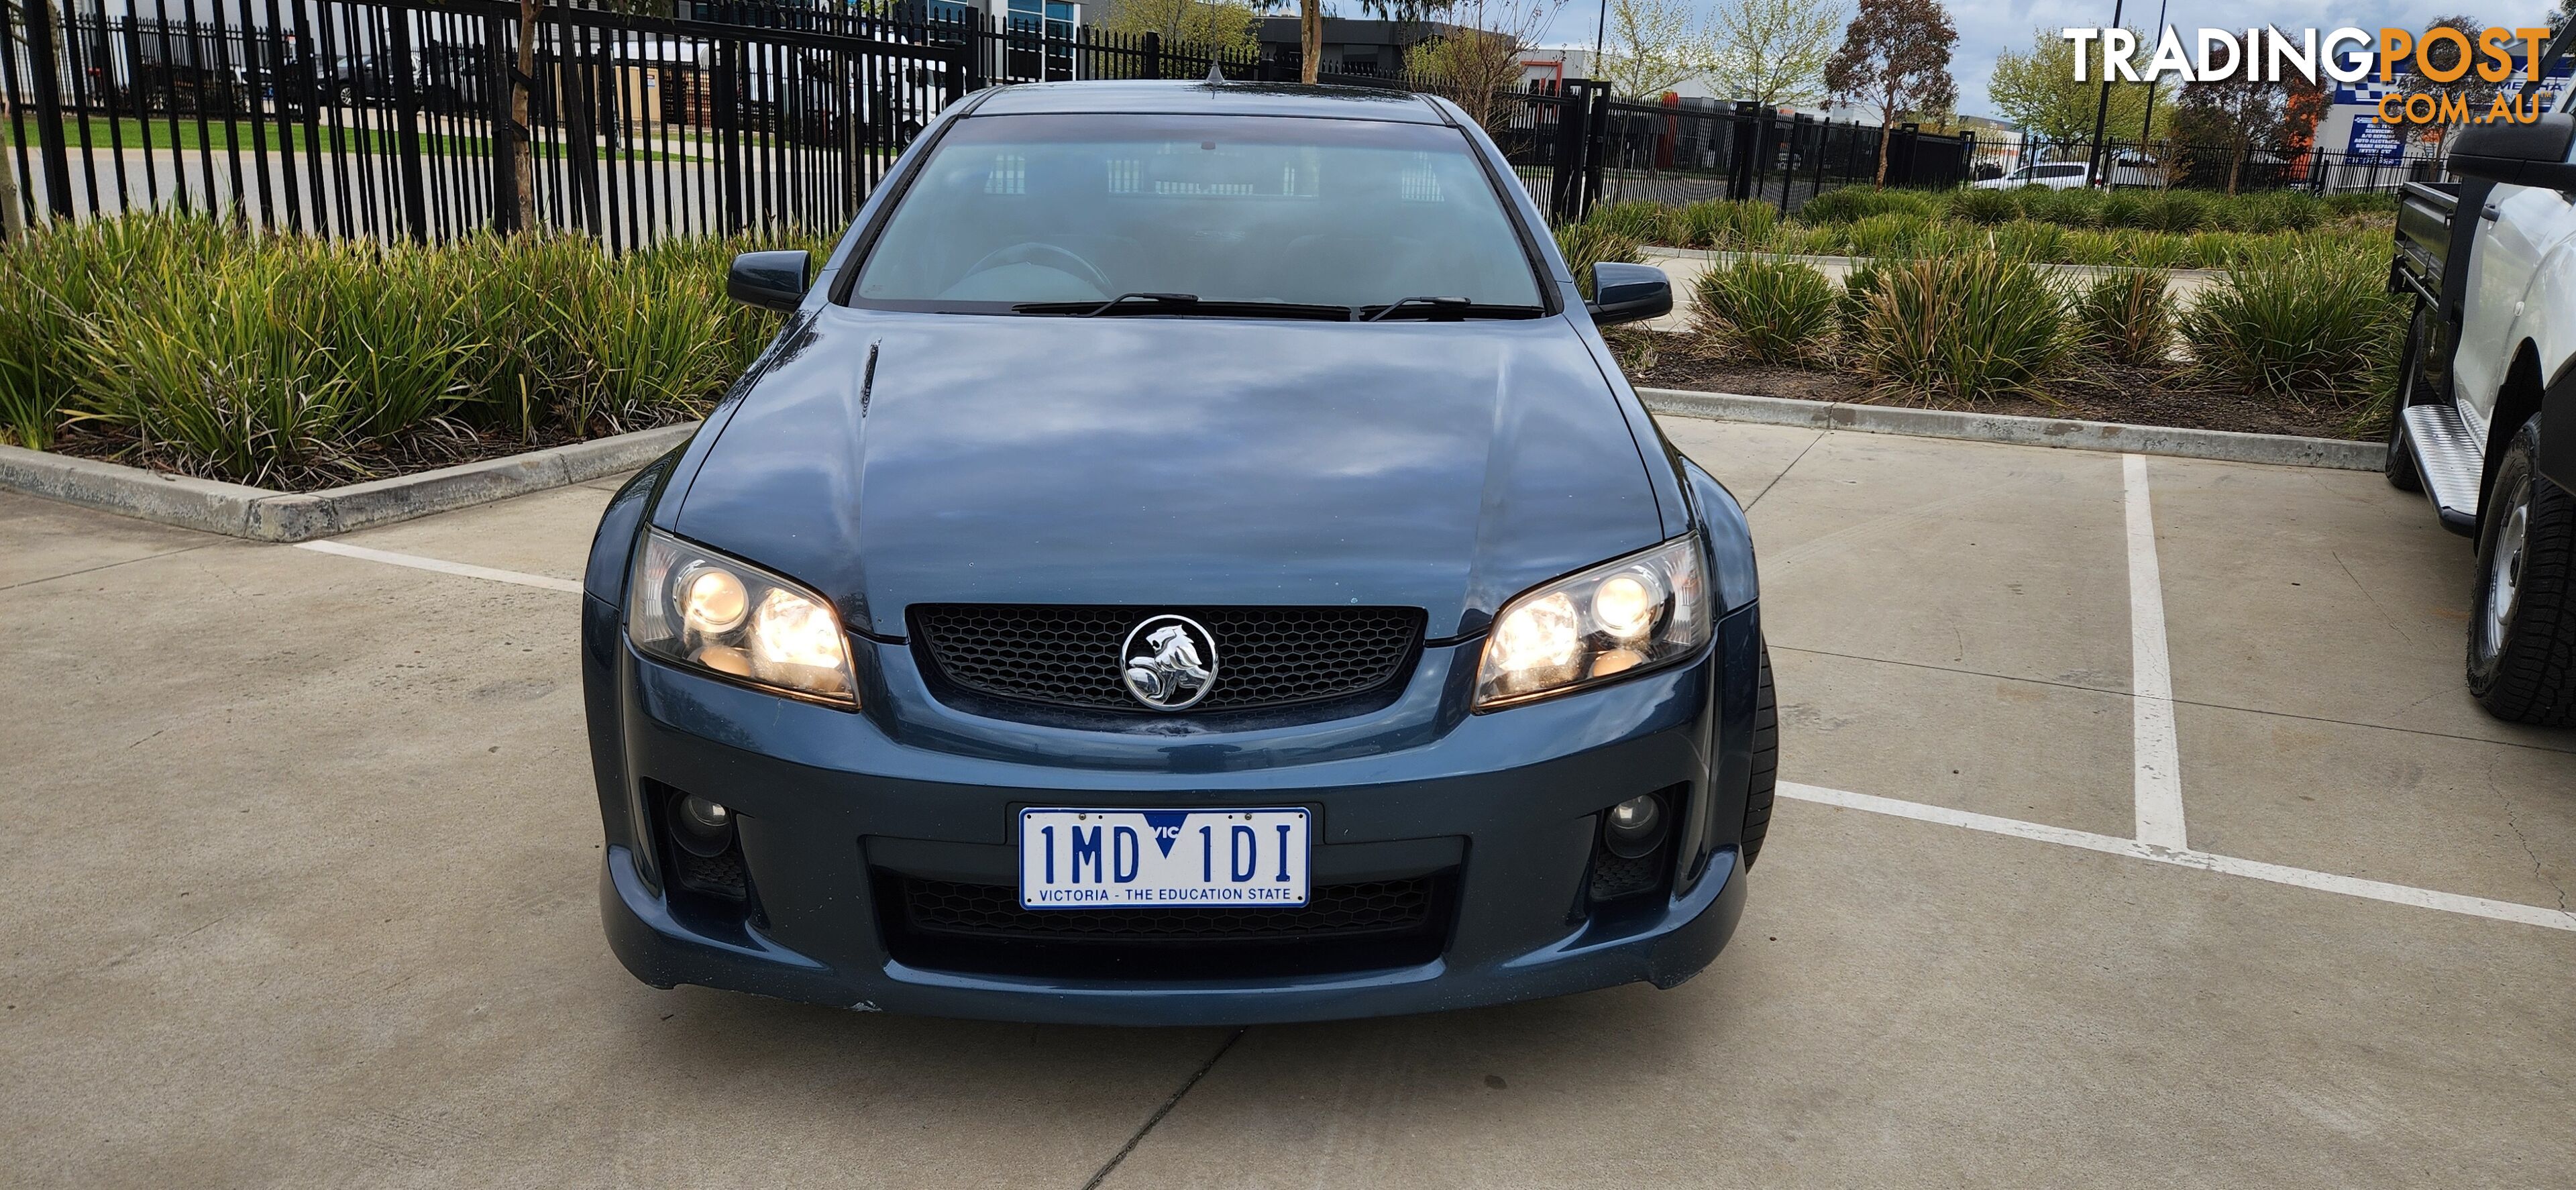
1031,210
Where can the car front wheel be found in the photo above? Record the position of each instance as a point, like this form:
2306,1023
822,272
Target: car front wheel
2522,628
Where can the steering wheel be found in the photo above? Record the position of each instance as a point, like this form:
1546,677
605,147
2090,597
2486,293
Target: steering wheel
1024,253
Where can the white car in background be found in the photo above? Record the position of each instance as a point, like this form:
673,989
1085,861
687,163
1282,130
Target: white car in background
2056,175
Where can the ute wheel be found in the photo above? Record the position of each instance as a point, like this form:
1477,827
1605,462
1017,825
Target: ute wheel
2522,622
2400,464
1766,764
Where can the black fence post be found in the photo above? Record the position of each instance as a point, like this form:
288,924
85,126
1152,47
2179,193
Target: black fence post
728,135
501,64
1565,188
1153,54
45,65
407,124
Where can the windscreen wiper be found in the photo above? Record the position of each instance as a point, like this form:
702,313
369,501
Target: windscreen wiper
1143,302
1444,309
1187,304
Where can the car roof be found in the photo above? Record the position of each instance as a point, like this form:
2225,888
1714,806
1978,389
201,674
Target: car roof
1177,97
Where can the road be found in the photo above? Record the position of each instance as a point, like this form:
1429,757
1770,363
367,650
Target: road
300,886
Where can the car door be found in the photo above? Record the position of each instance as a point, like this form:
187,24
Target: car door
2517,226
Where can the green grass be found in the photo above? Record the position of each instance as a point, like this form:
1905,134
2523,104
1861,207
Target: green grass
296,362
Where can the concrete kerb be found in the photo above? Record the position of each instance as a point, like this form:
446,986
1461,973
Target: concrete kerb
259,514
2278,449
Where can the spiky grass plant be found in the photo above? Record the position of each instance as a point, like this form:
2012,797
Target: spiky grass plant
1719,223
1770,310
1965,328
1585,244
2127,316
2303,323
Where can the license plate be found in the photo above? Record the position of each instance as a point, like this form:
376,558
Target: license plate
1100,859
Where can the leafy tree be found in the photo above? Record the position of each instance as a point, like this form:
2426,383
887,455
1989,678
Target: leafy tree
1654,46
1773,52
1222,26
1895,58
2037,90
2234,116
2470,89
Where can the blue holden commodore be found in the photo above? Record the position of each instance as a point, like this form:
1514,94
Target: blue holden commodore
1189,557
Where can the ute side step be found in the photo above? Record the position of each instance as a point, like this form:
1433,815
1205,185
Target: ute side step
2448,456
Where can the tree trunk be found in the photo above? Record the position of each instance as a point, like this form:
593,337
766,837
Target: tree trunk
1310,39
522,132
1886,126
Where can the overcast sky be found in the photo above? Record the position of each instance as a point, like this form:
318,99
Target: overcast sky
1987,29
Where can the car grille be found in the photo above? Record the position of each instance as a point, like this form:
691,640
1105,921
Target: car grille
1266,657
1333,910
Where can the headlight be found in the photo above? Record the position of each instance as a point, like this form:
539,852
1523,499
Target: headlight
1615,619
701,609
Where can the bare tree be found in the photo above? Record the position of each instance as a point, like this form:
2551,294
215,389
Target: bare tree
1654,46
1479,58
1225,26
1896,58
1773,52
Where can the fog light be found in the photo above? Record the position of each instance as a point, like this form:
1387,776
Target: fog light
1634,827
705,827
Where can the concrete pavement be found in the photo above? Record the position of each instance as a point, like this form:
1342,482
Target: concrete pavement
300,889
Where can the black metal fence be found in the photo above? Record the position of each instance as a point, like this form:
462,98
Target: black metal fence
1684,152
2241,168
431,119
400,118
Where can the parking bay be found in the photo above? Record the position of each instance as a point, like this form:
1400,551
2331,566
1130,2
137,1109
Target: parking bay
301,886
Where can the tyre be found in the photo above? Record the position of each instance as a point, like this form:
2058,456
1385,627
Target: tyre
2400,464
1760,789
2522,620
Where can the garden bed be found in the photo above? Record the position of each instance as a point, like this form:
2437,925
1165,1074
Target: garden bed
2111,393
189,346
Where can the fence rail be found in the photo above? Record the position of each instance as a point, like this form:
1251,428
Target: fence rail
431,119
2239,168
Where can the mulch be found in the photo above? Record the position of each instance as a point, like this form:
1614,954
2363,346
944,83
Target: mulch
2097,392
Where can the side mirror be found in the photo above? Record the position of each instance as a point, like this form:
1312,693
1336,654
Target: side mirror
2533,154
769,280
1628,293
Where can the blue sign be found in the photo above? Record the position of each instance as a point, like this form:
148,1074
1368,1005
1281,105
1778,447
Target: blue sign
2374,141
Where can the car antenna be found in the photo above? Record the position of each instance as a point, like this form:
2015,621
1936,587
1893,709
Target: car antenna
1216,72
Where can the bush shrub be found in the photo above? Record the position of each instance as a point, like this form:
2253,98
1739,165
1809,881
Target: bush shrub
2173,210
1640,221
1853,203
1774,311
2295,323
1983,207
1585,244
298,362
2127,316
1963,327
2122,208
1718,223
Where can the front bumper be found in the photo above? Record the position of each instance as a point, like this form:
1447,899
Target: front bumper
837,812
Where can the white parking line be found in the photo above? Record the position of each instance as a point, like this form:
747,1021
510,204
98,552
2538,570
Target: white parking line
2350,886
2139,848
417,562
2151,715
